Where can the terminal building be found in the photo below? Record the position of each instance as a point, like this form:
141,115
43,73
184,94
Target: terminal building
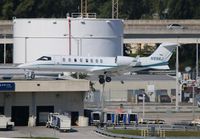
21,99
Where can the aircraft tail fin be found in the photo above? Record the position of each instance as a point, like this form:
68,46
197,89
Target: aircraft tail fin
164,52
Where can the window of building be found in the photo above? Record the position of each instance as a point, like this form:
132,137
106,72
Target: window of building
97,61
69,59
162,96
6,53
101,60
139,93
1,53
64,59
86,60
75,60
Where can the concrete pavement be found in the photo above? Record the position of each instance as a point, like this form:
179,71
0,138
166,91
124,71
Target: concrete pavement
40,131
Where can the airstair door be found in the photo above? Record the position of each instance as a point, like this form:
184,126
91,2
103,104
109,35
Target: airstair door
58,60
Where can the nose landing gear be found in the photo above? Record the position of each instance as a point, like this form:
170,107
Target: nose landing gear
29,75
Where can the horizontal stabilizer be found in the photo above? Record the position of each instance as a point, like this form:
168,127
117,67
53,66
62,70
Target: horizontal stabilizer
163,67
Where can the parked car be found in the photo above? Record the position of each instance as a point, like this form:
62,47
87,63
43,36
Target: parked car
175,26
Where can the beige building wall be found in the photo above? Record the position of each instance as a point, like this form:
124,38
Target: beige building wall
51,85
116,91
62,102
65,96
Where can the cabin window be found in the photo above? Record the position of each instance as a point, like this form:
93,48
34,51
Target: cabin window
44,58
81,60
86,60
101,60
64,59
75,60
97,60
91,60
69,59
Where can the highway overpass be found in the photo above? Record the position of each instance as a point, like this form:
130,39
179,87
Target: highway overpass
137,31
156,31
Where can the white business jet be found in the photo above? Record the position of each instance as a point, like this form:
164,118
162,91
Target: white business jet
104,67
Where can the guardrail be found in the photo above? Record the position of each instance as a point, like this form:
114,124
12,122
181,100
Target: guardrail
100,131
147,130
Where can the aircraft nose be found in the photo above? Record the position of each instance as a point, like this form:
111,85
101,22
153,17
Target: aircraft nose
22,66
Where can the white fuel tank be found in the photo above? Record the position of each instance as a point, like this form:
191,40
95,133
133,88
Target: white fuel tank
34,38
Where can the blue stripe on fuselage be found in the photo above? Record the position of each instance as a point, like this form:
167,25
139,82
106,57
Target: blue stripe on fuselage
106,66
150,65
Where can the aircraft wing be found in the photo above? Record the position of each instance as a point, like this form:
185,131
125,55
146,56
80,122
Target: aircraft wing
114,71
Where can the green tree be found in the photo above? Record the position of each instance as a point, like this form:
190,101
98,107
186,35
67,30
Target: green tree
105,10
187,56
94,6
24,9
7,9
195,7
180,9
132,9
147,9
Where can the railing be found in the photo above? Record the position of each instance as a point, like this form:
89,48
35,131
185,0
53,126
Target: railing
84,15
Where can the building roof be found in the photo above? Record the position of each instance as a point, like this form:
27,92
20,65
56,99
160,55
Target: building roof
137,77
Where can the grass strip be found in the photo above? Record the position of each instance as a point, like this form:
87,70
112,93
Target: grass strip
167,133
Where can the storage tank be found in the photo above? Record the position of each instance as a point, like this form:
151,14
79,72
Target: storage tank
67,36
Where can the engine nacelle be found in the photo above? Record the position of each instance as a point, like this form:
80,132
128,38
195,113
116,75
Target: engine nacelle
123,60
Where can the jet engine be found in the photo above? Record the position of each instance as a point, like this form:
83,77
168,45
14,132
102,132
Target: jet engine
123,60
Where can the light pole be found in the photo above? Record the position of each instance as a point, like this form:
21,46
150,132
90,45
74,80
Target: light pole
177,79
197,61
143,101
102,96
4,50
193,85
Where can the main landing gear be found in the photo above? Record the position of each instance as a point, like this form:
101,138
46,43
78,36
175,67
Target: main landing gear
104,78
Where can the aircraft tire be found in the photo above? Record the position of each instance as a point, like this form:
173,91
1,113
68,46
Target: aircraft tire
101,80
108,79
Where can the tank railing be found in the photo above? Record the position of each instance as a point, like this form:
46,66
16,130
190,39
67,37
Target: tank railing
84,15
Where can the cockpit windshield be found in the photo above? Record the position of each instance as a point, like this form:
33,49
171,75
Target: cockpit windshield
44,58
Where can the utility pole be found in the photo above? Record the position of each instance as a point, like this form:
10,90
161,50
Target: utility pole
197,61
177,80
115,9
143,105
83,7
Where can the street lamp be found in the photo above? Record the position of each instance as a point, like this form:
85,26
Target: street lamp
177,79
193,112
197,61
143,101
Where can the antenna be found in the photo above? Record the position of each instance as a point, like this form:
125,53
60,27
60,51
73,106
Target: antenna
83,7
115,8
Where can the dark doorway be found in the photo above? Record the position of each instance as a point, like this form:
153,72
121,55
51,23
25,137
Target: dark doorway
42,114
20,115
74,118
1,110
87,113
